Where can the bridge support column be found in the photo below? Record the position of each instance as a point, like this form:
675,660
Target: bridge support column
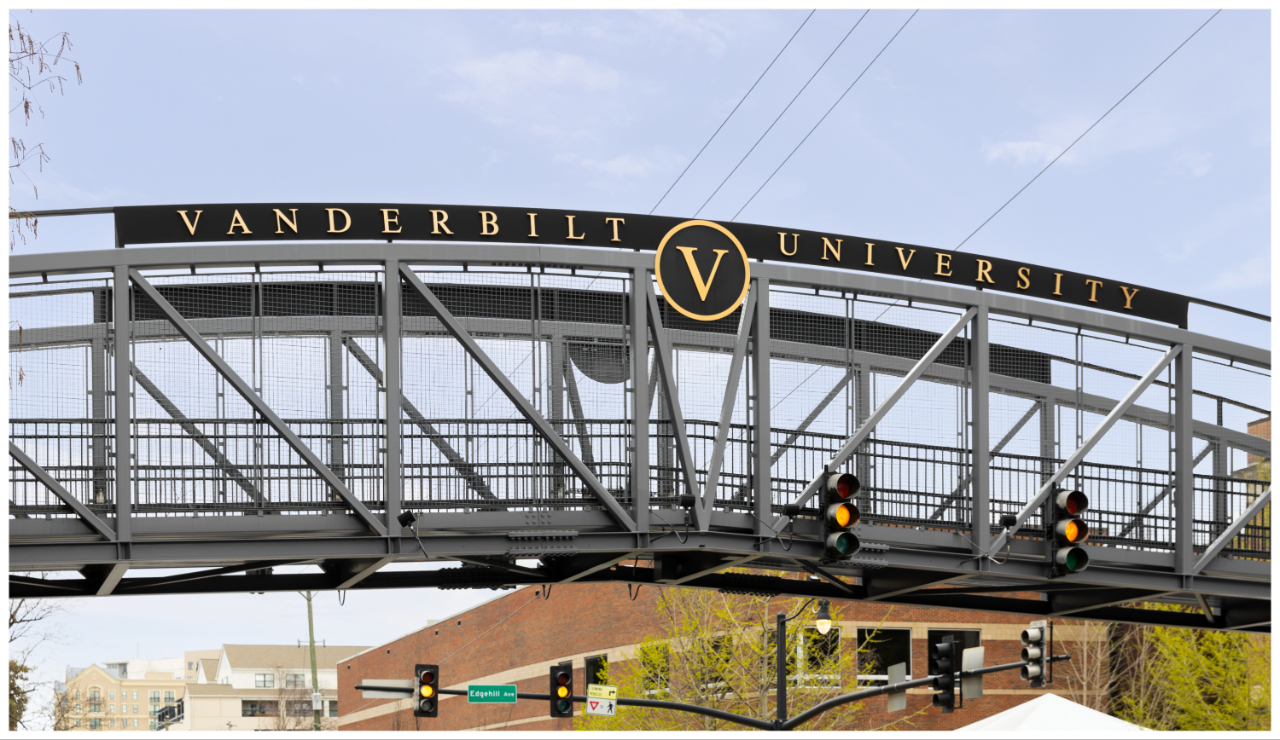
640,389
761,424
121,383
391,331
98,410
1184,493
980,363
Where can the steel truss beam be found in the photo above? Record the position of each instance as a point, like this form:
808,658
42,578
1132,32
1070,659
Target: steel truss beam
666,370
882,410
504,383
1231,531
726,409
62,493
268,414
468,472
1079,455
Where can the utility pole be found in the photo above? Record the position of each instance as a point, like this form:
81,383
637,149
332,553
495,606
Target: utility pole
315,674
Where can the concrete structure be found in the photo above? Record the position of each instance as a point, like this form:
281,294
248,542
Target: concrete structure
516,637
261,687
103,698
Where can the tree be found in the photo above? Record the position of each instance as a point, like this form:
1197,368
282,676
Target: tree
19,694
717,650
28,630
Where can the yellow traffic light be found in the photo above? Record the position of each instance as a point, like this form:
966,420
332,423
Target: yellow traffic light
428,692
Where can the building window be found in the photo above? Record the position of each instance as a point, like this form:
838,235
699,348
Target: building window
95,695
191,666
299,708
77,709
135,706
820,656
77,694
95,724
264,681
879,649
111,722
93,708
112,695
168,697
77,723
333,709
597,666
111,709
711,657
258,708
155,709
155,725
295,681
964,639
155,696
135,696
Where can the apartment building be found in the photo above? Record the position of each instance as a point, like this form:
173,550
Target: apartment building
119,696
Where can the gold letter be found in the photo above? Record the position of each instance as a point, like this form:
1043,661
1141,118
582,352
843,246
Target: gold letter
388,220
615,222
826,246
905,260
190,226
1057,283
533,225
1128,297
236,220
281,217
869,246
333,227
438,219
984,272
944,263
1024,278
571,236
782,244
487,219
696,273
1093,294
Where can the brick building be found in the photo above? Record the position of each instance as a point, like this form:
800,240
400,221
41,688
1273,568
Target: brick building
516,637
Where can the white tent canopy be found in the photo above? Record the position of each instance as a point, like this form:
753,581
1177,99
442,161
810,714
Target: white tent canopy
1049,714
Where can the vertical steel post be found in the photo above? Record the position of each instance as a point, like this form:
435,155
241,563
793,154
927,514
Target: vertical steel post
121,381
1221,469
761,426
391,335
862,413
98,411
555,385
640,396
1184,491
1048,451
981,433
780,642
336,400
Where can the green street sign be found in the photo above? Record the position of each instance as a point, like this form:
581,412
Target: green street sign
491,694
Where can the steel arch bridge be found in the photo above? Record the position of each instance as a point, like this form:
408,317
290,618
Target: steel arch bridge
550,417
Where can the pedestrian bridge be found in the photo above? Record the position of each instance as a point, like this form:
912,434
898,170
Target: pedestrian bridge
224,410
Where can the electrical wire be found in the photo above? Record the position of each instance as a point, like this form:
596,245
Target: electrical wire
1078,138
1086,131
735,110
780,115
824,117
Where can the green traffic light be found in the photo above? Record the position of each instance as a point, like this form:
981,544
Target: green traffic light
562,705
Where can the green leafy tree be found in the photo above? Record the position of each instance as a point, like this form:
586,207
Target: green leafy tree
19,693
718,650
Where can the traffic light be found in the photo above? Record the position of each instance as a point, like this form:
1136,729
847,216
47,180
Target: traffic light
944,682
426,690
562,690
840,514
1068,532
1035,654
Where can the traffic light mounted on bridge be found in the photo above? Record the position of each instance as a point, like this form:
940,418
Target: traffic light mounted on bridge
1035,653
839,515
562,690
1068,532
944,681
426,690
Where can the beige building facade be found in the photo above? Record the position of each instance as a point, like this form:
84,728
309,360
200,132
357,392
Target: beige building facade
98,698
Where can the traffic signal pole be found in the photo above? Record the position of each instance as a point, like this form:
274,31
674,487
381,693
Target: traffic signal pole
759,724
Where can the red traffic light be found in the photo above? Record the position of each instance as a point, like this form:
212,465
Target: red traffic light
1072,502
842,487
563,677
428,676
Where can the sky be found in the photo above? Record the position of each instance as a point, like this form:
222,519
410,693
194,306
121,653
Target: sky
603,110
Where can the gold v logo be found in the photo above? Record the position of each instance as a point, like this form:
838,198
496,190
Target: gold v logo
697,274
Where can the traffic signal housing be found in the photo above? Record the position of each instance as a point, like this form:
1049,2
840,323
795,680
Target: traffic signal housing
562,690
1069,531
1035,654
839,516
426,690
944,682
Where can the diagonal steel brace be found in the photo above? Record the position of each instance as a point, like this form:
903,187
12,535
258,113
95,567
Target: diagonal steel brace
61,492
468,342
268,414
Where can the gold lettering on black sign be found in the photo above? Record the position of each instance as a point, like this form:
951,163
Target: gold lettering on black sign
826,247
333,226
488,223
905,259
438,221
1128,297
615,222
571,234
1057,283
1024,278
984,272
782,244
191,225
944,263
1093,292
869,262
283,220
533,225
391,217
238,220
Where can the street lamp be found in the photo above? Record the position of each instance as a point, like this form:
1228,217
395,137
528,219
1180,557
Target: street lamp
822,621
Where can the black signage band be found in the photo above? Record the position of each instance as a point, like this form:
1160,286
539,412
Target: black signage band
256,222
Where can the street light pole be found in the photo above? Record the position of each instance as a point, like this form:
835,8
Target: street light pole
824,624
315,674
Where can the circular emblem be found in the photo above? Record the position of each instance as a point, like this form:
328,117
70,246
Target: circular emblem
703,270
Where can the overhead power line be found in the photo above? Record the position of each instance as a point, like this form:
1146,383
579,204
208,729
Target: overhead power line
780,115
824,117
1086,131
735,110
